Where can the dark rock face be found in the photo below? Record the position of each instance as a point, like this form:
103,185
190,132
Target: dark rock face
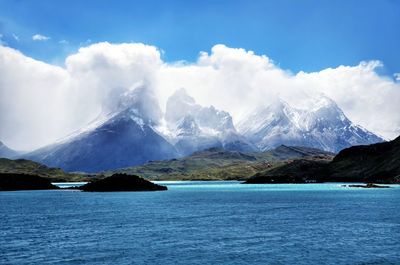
10,181
122,182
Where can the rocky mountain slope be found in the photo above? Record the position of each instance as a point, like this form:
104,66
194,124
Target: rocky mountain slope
124,136
193,127
323,125
132,130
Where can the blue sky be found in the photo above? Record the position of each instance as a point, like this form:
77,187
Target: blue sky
297,35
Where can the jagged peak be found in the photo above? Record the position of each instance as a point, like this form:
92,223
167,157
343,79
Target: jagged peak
182,95
276,105
279,102
180,104
187,126
139,99
322,102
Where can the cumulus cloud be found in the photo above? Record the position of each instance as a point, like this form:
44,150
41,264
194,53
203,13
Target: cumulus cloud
40,103
39,37
238,81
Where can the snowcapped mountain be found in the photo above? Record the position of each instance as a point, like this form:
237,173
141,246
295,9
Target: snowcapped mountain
122,136
132,130
323,125
193,127
6,152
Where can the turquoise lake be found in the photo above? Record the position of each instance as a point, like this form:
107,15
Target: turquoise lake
203,223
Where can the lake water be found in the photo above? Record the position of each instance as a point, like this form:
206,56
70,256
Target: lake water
203,223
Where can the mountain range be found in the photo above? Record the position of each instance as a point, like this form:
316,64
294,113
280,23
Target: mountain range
194,128
122,136
323,125
132,130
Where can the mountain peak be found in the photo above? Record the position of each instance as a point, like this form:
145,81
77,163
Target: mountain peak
183,94
180,104
323,125
187,126
278,102
140,100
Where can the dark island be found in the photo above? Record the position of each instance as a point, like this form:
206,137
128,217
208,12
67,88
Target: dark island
367,186
121,182
13,181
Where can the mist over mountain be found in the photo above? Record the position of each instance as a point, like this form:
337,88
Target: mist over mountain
193,127
122,137
44,102
132,130
7,152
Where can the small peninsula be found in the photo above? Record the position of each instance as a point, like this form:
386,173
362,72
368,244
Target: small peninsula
13,181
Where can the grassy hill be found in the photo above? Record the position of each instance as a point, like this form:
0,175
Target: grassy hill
211,164
375,163
23,166
218,164
379,163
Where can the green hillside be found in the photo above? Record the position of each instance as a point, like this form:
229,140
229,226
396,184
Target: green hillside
23,166
218,164
379,163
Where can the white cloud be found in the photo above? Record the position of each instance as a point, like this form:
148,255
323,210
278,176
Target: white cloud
396,76
63,42
40,103
39,37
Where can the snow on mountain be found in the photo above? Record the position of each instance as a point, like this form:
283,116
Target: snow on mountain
132,130
196,128
122,136
322,125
